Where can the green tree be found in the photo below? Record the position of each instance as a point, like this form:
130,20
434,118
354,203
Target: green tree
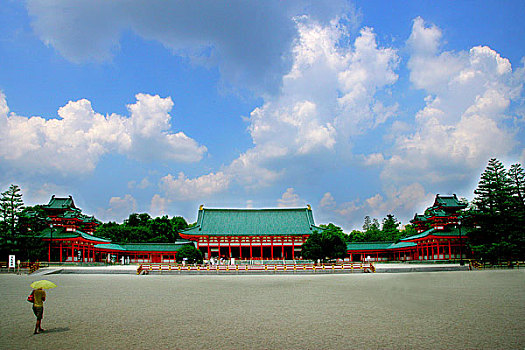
188,251
143,228
367,224
328,244
178,223
493,194
356,236
499,217
32,221
517,180
372,231
335,230
11,206
390,230
407,231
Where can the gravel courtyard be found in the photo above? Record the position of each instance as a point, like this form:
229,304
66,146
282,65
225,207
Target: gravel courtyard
435,310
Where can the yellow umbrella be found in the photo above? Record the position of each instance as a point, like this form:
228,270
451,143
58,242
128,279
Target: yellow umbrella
45,284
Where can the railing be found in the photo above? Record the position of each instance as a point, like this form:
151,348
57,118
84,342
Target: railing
24,265
259,268
34,267
475,264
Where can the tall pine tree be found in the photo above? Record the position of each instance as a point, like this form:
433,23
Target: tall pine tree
11,206
390,228
517,179
494,188
499,218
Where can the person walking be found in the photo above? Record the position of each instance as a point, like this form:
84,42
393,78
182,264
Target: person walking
38,308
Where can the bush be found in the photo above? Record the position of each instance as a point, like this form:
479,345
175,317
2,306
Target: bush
192,254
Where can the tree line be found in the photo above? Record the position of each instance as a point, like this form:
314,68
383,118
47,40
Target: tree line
142,228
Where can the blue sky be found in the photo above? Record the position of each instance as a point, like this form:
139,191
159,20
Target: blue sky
356,108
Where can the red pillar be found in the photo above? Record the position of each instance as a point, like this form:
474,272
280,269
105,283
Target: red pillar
262,249
229,247
272,247
60,251
282,248
240,246
293,248
251,252
209,249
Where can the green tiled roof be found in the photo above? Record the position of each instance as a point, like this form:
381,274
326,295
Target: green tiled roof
419,235
86,218
60,233
378,245
450,231
143,247
253,222
70,215
368,245
435,212
419,217
402,245
60,203
449,201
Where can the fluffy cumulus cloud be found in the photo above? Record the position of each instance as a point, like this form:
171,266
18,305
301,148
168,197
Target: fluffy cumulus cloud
182,188
73,143
247,40
158,206
290,199
467,117
119,208
401,201
327,97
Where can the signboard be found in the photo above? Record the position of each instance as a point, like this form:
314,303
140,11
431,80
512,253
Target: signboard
11,261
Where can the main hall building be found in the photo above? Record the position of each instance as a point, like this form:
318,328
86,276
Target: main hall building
264,234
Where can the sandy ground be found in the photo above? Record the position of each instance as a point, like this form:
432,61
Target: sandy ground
437,310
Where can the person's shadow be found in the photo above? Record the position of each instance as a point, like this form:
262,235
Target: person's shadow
57,330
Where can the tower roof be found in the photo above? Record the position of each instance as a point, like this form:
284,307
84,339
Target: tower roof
451,202
60,203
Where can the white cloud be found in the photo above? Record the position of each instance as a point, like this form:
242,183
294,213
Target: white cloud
327,201
374,159
464,121
119,208
249,41
74,142
183,188
402,202
430,69
399,201
143,184
158,206
289,199
327,97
